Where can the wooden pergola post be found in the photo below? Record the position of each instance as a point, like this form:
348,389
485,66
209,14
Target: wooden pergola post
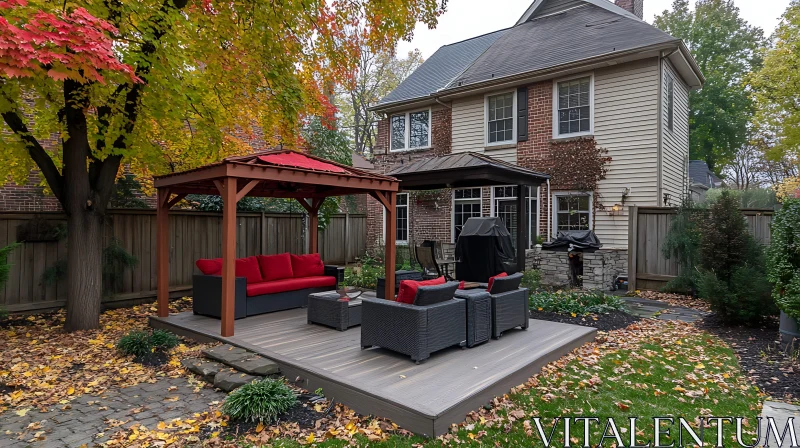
228,193
162,251
391,245
313,222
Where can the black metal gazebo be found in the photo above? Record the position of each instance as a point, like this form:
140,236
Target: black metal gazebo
470,169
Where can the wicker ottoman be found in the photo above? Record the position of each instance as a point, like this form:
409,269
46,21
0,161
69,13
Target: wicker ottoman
380,289
324,308
479,315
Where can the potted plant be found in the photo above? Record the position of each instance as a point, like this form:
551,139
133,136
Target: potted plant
783,267
342,291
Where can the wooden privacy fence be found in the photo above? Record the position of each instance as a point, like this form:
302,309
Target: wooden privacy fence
648,227
192,235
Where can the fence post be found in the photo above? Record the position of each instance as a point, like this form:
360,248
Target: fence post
633,236
263,229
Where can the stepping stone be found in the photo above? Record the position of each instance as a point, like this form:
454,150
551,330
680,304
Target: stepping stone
255,365
203,367
229,379
226,354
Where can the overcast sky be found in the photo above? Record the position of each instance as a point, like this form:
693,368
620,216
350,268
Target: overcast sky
470,18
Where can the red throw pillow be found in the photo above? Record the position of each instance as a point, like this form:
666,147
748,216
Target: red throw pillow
461,285
408,289
209,266
275,267
491,280
309,265
248,268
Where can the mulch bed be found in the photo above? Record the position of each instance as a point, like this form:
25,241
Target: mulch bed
604,322
760,356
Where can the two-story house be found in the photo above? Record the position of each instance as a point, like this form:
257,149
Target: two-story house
567,69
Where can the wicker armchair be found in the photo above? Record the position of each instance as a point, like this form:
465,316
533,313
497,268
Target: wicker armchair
435,321
510,304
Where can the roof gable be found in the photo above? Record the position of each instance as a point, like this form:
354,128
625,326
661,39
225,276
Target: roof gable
540,8
569,36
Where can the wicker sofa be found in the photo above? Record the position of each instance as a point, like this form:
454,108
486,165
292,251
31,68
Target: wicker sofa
435,321
263,284
510,306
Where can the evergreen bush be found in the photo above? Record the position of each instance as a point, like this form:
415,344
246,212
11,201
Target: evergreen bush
532,279
783,259
142,344
682,243
260,401
731,271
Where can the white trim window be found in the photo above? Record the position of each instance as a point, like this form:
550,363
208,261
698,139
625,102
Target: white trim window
403,219
573,107
411,130
500,117
466,204
573,211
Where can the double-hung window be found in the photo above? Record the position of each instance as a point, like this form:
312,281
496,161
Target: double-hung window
573,106
402,218
500,118
411,130
573,212
467,204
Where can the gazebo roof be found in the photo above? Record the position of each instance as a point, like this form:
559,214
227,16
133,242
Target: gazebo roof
279,173
462,170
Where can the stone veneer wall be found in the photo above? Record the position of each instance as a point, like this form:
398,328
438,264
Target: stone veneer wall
599,268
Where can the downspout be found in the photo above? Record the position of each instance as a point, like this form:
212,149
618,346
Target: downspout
660,139
549,212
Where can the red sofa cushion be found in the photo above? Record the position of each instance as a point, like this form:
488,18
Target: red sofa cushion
309,265
491,280
275,267
248,268
209,266
408,289
289,284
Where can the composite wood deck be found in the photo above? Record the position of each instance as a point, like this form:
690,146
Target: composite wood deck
425,398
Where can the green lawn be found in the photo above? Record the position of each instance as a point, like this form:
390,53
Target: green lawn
658,370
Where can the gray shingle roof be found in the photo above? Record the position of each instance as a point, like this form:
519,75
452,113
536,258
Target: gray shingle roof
441,68
570,36
700,174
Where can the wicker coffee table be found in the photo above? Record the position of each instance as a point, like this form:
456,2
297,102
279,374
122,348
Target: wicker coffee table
479,314
325,308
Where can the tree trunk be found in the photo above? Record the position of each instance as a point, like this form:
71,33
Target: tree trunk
84,270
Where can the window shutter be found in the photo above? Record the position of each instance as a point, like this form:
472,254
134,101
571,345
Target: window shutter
522,114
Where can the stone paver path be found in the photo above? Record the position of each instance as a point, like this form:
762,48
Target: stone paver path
781,412
664,311
88,416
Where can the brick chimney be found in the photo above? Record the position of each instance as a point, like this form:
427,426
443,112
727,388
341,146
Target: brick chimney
634,6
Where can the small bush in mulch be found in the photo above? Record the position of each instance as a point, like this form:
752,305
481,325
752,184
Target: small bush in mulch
576,302
612,320
261,401
148,348
758,349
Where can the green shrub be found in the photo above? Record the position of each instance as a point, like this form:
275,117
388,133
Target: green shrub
260,401
365,274
731,272
576,302
3,313
532,279
136,343
5,267
163,340
783,258
141,343
682,244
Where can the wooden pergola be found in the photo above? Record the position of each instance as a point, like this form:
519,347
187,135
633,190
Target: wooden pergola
278,174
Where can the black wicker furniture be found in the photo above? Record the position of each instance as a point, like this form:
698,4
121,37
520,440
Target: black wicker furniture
510,306
325,308
380,289
434,322
479,315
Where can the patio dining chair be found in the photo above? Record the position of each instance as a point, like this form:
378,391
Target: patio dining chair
427,260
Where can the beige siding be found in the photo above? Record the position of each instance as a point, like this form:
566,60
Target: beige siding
675,142
468,124
625,123
553,6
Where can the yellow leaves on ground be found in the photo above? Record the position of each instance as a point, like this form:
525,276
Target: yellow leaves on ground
44,366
